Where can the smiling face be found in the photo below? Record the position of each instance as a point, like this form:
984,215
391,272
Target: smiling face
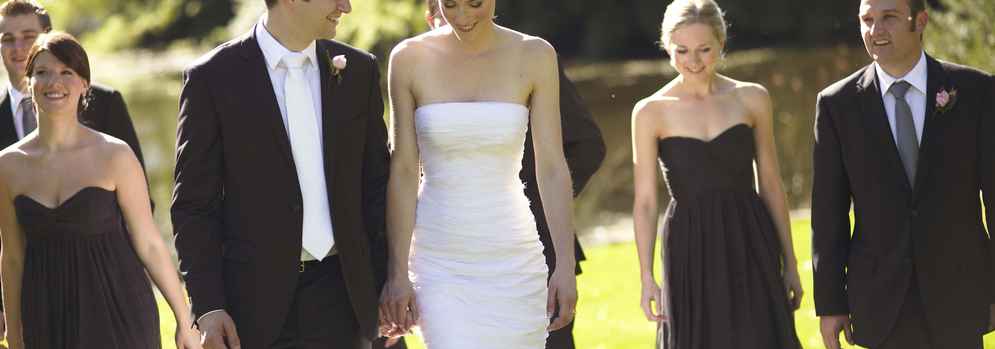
17,34
892,34
55,87
467,16
694,51
319,19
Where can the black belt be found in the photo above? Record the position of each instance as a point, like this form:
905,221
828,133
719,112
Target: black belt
316,264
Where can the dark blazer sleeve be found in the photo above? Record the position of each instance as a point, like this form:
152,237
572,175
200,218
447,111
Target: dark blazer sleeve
583,145
376,169
986,143
118,123
830,215
197,195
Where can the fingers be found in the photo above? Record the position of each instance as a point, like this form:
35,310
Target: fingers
648,306
390,342
566,305
830,335
231,336
413,312
848,332
799,295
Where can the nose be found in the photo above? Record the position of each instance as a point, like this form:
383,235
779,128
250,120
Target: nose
345,6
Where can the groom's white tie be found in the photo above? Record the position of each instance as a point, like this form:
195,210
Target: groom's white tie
305,143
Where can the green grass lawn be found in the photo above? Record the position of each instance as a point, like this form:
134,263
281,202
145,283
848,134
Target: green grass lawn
608,314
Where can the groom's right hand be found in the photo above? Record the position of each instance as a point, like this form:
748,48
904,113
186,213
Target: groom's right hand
831,325
218,331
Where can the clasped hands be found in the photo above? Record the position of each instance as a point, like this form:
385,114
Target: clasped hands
399,307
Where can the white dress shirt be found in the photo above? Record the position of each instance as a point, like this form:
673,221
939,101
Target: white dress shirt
15,109
915,97
273,53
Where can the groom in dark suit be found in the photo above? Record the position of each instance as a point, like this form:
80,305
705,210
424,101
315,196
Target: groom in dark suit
21,22
281,172
909,141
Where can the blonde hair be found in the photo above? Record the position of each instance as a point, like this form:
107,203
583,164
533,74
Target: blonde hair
683,12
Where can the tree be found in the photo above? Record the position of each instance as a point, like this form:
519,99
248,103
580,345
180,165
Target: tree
963,31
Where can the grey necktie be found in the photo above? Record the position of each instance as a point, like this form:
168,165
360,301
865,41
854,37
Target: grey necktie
28,121
905,128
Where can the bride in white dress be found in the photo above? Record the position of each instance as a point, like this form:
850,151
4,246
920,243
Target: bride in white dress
462,97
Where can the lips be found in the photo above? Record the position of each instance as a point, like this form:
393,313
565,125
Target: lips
881,42
465,28
55,95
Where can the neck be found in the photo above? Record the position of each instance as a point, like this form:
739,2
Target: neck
58,131
699,88
19,82
899,69
280,25
477,41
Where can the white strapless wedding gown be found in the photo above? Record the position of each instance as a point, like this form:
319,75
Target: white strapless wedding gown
477,265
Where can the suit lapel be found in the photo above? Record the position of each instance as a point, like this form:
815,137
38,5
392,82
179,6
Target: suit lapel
8,132
936,78
335,109
259,91
876,121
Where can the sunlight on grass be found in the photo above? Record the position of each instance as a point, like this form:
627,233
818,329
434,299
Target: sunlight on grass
608,314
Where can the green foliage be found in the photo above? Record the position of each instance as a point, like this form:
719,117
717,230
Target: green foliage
963,32
112,25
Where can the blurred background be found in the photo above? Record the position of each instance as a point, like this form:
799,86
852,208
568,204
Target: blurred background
610,49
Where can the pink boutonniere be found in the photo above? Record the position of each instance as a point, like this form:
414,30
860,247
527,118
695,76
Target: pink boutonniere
945,100
337,64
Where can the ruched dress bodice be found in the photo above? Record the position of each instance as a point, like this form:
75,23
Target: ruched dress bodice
477,263
722,254
83,284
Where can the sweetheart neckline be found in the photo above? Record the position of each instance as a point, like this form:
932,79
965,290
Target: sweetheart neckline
67,200
717,137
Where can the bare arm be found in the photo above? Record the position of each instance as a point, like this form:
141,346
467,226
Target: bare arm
771,187
134,200
768,170
11,266
553,179
644,205
402,190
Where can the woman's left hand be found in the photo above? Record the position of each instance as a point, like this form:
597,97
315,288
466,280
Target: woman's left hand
187,338
793,286
562,297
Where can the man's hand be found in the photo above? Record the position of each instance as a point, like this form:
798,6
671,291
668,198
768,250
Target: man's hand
831,325
217,331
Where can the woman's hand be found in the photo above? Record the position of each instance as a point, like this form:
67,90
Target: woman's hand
187,338
793,285
398,308
563,297
652,302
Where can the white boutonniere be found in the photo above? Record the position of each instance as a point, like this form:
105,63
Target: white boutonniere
337,64
945,100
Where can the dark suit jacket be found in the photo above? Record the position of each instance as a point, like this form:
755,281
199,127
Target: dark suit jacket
932,228
106,113
584,150
237,209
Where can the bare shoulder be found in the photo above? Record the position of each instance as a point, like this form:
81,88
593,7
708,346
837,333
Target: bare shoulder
754,96
111,149
534,48
11,159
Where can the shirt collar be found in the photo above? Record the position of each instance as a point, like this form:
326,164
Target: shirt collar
915,77
273,50
15,96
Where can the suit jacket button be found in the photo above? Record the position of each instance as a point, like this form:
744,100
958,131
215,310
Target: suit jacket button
915,213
